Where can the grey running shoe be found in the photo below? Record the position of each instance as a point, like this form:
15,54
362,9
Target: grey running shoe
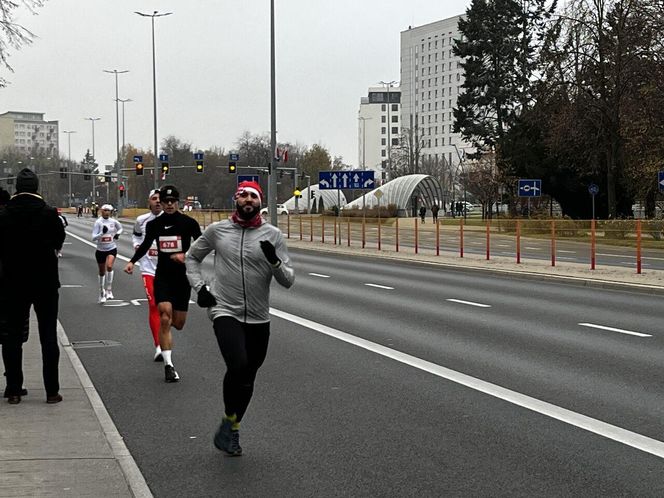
171,374
228,440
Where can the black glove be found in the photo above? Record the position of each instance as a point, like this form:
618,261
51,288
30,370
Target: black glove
270,252
105,229
205,298
116,236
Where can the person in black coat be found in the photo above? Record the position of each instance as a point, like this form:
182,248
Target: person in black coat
31,234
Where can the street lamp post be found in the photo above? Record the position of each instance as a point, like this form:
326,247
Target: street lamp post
124,101
272,178
154,88
117,126
389,85
92,120
364,140
69,161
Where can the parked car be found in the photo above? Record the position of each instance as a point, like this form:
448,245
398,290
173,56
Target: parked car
281,209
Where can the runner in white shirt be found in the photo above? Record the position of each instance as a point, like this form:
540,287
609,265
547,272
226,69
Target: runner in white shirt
149,266
105,232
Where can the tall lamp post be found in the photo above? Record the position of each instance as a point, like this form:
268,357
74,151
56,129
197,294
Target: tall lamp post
117,126
154,88
364,141
92,120
272,178
69,163
389,84
124,101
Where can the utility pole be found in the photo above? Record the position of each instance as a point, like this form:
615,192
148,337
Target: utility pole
69,163
272,177
117,129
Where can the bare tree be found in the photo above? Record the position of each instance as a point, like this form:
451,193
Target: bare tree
12,34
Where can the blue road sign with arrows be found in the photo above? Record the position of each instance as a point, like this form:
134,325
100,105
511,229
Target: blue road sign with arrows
138,159
233,157
357,179
660,180
530,188
198,156
163,158
247,178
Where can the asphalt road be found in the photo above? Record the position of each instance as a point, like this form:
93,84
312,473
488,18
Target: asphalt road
390,380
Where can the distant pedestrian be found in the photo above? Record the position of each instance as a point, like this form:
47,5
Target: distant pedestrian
434,212
30,237
423,212
79,211
105,233
459,208
248,254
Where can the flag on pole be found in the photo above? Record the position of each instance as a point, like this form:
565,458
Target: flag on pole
281,153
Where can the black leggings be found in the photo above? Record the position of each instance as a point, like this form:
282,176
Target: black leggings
244,347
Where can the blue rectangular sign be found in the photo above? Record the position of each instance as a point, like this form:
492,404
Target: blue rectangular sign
138,159
198,156
234,157
530,188
163,158
247,178
356,179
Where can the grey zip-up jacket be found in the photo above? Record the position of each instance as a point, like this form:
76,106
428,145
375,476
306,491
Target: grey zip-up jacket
242,275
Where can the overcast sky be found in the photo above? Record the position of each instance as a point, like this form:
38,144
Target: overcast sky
213,68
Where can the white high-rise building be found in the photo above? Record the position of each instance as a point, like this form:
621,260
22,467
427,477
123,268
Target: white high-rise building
28,133
379,123
431,79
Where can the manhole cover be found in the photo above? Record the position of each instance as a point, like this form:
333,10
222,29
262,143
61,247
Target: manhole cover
94,344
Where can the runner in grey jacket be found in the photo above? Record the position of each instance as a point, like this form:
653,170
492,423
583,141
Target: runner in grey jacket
248,253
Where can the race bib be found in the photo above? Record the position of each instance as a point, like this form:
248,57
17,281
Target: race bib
153,252
170,243
106,238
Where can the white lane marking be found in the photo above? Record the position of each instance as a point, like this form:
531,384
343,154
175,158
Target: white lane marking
70,286
380,286
531,248
319,275
66,243
115,303
469,303
137,302
612,329
503,245
624,436
568,252
119,256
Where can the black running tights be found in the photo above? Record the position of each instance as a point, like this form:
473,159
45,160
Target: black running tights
243,346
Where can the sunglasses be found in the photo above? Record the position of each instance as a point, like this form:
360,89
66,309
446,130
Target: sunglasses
169,201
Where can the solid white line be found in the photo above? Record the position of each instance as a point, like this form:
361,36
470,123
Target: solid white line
319,275
569,252
530,248
70,286
611,329
380,286
469,303
629,438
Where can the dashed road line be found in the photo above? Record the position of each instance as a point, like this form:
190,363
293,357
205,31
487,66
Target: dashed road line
380,286
469,303
612,329
320,275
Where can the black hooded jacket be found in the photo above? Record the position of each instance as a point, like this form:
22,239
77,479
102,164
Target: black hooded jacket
31,234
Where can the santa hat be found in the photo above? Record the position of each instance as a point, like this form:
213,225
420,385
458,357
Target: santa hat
252,187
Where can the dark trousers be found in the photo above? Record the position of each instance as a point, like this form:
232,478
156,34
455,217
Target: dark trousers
45,303
244,347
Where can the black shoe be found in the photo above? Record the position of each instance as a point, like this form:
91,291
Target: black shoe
13,400
228,440
56,398
24,392
171,374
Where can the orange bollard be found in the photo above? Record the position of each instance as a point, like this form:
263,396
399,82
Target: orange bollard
396,236
461,237
553,243
416,235
322,229
488,245
518,242
638,246
311,228
364,234
437,238
348,227
300,218
592,245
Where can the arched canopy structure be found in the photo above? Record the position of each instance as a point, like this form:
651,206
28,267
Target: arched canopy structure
406,192
321,199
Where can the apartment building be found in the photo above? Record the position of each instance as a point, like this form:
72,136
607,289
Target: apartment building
29,133
431,79
379,124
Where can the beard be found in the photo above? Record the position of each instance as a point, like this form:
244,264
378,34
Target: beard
247,214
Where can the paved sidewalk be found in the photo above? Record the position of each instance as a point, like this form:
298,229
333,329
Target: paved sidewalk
70,448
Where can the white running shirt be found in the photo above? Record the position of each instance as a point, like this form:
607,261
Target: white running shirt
105,241
149,261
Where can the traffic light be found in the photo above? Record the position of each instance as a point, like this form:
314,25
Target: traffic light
139,169
164,168
107,177
122,190
313,194
232,166
63,172
199,166
86,174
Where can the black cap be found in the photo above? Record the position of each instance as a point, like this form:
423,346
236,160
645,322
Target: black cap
27,181
169,192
